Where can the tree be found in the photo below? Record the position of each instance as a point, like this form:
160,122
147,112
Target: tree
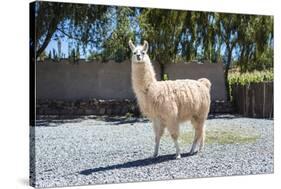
174,35
46,19
75,21
159,28
116,46
42,56
59,49
255,42
229,34
55,56
74,54
50,55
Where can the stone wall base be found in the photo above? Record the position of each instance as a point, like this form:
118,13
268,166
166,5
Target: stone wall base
106,107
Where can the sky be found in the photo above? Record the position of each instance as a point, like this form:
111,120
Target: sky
64,47
64,41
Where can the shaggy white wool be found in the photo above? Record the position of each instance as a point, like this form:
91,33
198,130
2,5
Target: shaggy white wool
169,103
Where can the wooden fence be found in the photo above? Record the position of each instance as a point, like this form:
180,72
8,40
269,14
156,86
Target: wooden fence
253,100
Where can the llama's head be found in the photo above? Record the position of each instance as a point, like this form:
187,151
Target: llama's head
139,52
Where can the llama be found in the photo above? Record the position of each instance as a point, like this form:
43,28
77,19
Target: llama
169,103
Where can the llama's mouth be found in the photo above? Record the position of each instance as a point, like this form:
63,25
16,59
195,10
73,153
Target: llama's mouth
139,62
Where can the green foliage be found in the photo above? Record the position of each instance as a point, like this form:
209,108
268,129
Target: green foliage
94,57
116,47
162,29
79,22
43,56
255,40
174,35
55,56
165,77
250,77
74,55
50,55
59,49
220,137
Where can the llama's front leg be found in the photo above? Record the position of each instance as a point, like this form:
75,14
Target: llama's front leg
158,131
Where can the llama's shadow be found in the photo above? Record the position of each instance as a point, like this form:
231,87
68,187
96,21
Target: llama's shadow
124,120
223,116
136,163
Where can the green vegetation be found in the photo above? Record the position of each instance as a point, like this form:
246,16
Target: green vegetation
129,115
224,137
102,33
165,77
250,77
220,137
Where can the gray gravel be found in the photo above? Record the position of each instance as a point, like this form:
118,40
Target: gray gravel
92,150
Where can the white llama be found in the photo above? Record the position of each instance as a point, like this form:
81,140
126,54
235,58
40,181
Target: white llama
169,103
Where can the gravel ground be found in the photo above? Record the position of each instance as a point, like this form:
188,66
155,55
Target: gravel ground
95,150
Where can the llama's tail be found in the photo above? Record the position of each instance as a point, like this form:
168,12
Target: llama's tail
206,82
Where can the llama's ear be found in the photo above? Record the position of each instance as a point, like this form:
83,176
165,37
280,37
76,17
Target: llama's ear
132,46
145,46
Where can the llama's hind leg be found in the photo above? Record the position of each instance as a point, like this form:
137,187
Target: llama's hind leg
158,131
202,142
174,132
199,136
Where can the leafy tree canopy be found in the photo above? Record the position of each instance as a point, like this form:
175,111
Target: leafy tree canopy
102,32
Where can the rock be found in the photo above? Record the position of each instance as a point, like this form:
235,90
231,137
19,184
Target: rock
101,111
106,107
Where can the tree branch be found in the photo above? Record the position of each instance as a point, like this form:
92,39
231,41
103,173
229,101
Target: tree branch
52,28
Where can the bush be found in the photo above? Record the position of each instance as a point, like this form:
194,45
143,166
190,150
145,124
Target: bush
250,77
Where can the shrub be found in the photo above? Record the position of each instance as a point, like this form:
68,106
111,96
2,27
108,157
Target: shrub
250,77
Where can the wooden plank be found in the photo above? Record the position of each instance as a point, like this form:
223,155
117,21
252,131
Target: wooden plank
254,100
268,107
259,105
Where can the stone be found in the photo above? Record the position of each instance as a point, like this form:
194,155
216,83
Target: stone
102,111
90,111
124,110
106,107
108,111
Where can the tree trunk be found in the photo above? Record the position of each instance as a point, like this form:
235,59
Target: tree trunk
51,30
162,70
227,66
46,42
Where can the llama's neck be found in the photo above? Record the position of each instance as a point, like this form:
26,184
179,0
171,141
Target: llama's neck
143,75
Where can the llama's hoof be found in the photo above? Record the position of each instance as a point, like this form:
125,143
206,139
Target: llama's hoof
191,153
154,156
178,156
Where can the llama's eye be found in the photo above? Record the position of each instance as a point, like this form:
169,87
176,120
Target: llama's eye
142,52
135,53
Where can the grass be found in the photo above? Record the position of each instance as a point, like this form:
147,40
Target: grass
220,137
224,137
